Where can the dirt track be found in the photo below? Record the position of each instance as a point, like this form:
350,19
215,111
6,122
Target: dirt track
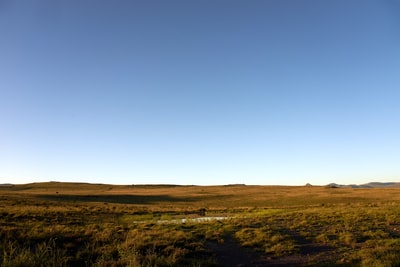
230,254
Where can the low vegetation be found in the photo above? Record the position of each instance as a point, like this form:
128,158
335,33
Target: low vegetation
65,224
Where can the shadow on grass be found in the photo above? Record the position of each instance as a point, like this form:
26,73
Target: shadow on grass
119,199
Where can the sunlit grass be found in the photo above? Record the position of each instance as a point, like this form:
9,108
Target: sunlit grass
56,224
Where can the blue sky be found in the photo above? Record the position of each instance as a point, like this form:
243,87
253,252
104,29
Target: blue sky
200,92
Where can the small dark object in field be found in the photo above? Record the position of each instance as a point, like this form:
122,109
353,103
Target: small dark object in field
202,212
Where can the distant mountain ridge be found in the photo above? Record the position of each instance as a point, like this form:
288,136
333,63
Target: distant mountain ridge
82,184
368,185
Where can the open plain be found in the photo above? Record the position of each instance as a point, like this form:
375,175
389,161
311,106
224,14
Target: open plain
78,224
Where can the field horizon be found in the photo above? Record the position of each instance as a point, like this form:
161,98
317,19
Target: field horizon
372,184
83,224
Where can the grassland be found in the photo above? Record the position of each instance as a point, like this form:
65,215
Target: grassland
71,224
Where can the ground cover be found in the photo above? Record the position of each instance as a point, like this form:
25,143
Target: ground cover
66,224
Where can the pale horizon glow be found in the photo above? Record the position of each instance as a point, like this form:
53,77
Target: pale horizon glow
275,92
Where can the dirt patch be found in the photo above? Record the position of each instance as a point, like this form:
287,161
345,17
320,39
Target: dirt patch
230,253
311,253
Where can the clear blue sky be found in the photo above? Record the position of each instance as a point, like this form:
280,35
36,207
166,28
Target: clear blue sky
200,92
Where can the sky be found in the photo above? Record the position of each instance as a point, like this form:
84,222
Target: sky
272,92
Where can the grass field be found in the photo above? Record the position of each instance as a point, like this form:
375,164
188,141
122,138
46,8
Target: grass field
76,224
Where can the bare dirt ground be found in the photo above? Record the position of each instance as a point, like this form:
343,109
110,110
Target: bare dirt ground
230,254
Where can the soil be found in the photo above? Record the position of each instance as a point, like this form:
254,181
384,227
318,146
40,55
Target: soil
229,253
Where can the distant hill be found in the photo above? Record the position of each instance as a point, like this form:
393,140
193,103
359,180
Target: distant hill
368,185
76,186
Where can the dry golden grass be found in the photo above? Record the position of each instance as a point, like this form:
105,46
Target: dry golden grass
199,196
77,224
